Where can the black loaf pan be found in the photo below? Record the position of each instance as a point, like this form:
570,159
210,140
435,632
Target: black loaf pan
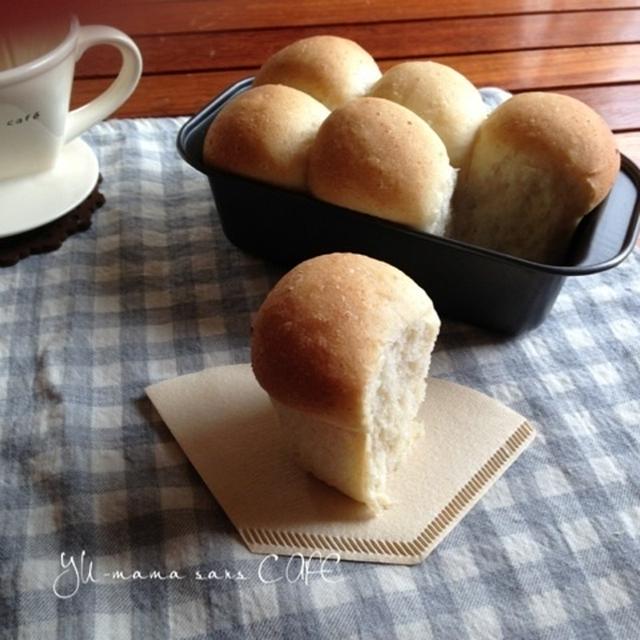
467,283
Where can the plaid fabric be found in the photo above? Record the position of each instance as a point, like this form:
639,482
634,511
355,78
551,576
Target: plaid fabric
154,290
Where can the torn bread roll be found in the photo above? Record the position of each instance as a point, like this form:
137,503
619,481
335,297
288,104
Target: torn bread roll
333,70
540,163
442,97
378,157
266,133
342,344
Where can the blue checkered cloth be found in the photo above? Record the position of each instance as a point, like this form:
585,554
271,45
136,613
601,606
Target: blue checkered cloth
154,290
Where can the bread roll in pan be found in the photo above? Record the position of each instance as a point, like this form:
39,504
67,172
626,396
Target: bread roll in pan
486,288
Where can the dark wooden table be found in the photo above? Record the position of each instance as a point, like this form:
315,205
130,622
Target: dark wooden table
192,49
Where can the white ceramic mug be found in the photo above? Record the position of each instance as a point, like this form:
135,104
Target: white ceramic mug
35,121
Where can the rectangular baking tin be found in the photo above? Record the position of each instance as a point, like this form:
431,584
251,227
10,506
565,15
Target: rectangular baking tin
467,283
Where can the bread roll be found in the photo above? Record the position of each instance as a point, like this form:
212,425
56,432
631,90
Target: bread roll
541,161
342,344
375,156
442,97
266,133
331,69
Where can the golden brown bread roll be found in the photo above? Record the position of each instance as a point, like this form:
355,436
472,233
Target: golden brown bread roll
333,70
540,162
266,133
376,156
342,344
442,97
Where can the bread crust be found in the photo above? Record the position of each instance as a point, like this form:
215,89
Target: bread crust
539,164
333,70
376,156
318,336
266,133
569,135
442,97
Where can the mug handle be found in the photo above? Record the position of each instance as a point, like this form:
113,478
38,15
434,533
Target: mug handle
80,119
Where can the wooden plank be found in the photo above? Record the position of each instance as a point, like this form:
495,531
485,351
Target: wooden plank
162,95
546,68
223,15
184,93
629,144
618,105
249,49
153,98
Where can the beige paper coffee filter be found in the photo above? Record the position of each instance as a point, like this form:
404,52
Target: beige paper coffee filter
226,426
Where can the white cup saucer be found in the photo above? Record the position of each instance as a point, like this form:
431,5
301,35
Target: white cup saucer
28,202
